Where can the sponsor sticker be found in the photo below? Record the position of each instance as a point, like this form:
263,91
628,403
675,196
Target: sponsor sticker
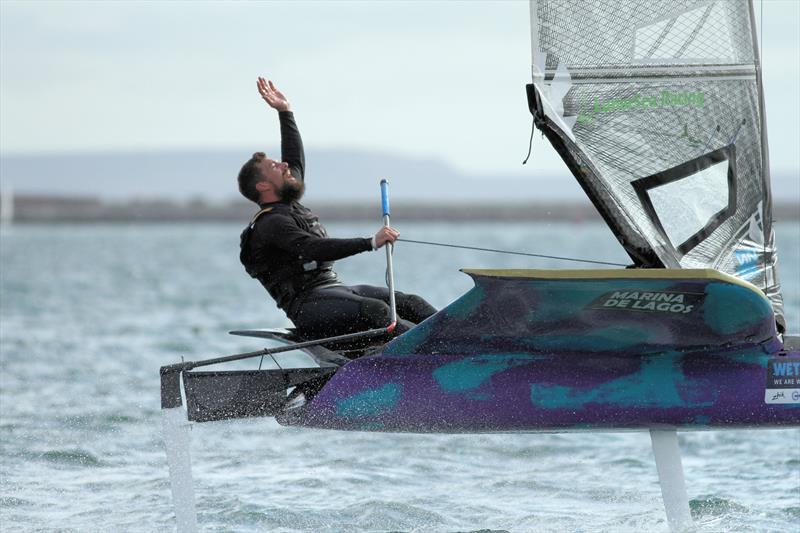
783,381
748,263
680,303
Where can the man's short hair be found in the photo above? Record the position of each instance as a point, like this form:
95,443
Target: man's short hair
249,176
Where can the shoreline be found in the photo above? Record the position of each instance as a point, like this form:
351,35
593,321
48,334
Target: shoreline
39,209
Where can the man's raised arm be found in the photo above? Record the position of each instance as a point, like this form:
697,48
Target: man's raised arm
291,143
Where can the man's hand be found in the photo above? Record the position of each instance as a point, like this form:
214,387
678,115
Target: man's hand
272,96
384,235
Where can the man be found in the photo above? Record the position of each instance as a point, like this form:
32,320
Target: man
289,252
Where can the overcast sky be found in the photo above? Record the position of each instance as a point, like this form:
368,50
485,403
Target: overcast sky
435,79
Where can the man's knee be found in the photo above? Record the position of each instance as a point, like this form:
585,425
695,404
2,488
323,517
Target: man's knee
418,307
418,302
374,313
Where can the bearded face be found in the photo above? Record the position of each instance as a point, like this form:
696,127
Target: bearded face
291,190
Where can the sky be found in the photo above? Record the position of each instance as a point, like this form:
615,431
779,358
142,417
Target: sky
442,80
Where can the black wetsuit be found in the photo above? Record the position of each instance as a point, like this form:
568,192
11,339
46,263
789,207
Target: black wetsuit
289,252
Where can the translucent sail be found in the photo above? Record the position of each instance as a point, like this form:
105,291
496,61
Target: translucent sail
657,109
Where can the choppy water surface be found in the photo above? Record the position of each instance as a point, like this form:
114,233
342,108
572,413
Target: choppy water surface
89,313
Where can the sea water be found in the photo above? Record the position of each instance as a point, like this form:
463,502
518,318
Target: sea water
90,313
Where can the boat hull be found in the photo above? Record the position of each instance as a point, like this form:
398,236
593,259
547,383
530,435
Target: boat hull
557,392
576,350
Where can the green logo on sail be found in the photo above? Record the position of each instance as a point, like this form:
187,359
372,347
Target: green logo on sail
642,101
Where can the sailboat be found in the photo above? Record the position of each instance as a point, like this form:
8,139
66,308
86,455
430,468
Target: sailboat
657,110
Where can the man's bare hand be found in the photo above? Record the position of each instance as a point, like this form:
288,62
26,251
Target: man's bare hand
386,234
272,96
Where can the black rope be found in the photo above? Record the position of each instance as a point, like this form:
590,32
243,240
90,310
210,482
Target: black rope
273,358
530,142
513,253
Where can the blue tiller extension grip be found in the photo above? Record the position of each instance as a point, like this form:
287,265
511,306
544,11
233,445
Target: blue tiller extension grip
385,197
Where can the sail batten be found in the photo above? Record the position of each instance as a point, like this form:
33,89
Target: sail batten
657,109
677,72
594,78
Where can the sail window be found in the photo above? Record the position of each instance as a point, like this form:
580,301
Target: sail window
697,34
688,202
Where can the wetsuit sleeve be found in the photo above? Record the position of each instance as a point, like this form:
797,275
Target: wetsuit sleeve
292,145
282,232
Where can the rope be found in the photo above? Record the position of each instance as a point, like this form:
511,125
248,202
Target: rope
513,253
530,141
273,358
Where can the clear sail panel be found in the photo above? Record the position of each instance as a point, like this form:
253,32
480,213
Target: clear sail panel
687,206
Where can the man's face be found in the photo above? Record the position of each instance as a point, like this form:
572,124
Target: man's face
276,173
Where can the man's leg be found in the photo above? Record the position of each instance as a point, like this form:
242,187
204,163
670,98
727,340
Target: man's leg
410,307
338,310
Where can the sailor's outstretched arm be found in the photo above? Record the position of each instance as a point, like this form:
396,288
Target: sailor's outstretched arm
282,232
291,143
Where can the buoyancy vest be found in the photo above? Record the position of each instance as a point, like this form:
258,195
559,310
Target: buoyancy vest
289,275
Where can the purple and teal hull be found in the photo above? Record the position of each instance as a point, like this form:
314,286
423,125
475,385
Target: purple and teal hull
575,350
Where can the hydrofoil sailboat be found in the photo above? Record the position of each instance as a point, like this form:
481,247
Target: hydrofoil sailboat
657,110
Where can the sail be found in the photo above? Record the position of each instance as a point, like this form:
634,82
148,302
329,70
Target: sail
657,109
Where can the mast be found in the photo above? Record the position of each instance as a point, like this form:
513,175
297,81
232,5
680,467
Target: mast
769,260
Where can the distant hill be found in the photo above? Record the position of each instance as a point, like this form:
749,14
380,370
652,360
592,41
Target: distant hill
333,176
